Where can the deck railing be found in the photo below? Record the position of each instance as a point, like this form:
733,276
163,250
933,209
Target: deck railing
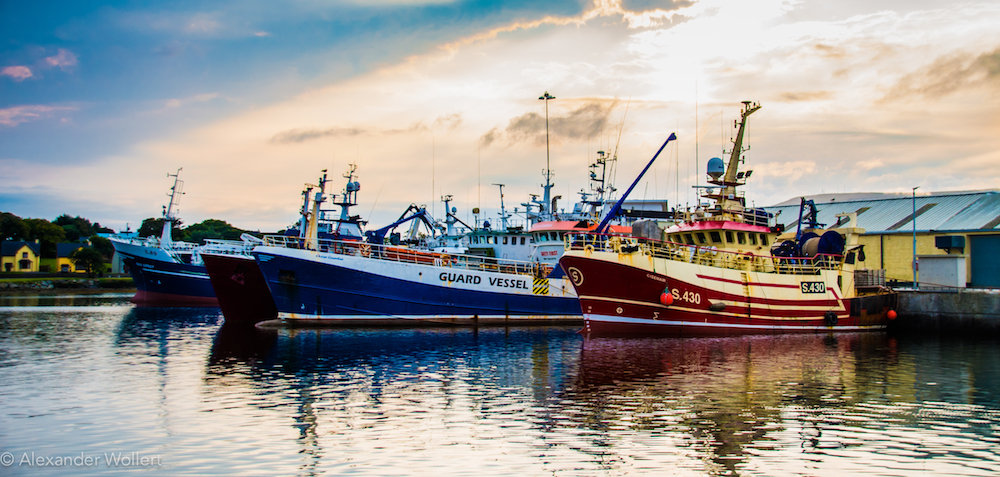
709,256
395,253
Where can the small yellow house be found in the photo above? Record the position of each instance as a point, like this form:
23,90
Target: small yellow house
62,263
17,256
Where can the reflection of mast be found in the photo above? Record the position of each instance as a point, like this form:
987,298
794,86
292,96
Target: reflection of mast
306,422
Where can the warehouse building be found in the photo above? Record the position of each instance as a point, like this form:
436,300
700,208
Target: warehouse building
957,236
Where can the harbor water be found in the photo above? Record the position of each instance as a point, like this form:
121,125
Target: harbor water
91,385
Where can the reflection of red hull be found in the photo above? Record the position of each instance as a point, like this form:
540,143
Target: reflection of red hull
148,298
725,363
619,298
240,288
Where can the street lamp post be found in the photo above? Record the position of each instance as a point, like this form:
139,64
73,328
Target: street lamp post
546,97
548,171
916,286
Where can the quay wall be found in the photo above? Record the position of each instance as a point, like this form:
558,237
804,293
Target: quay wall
948,311
25,285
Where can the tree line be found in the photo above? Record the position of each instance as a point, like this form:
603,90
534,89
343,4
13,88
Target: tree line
66,229
197,233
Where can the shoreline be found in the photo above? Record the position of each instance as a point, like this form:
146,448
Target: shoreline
17,286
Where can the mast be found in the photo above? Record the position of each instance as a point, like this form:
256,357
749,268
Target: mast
503,211
312,231
449,216
350,192
727,199
170,212
737,153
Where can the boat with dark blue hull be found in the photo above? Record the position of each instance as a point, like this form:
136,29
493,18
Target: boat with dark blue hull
349,283
167,272
160,282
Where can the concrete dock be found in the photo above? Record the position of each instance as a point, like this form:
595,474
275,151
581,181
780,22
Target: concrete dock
953,310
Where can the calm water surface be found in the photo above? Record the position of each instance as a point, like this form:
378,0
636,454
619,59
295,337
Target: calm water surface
173,391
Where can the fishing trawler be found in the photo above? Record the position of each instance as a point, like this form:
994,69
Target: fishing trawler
166,272
726,270
330,281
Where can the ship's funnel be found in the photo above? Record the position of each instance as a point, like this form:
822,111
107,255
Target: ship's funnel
716,168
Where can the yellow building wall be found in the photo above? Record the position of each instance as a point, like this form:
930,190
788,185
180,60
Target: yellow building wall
55,265
15,260
894,253
65,261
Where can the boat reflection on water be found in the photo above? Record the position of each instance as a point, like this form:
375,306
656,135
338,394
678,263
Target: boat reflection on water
381,397
241,343
150,325
527,401
750,403
722,396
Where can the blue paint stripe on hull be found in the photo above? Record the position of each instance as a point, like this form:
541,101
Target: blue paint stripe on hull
326,289
169,278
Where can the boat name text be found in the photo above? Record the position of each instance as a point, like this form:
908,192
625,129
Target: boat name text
476,280
460,278
687,296
813,287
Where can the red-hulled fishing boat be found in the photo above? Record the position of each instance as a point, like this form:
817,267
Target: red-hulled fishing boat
725,270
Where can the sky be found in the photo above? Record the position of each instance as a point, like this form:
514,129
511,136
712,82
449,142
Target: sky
100,101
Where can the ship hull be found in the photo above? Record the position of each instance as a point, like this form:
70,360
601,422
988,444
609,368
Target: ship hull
240,288
621,295
169,284
327,288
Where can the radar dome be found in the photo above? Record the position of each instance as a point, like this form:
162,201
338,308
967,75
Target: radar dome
716,168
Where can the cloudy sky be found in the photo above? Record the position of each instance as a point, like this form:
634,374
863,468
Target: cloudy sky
99,101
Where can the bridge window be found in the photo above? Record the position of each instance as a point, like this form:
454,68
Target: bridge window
729,236
701,238
763,239
753,239
741,238
688,239
505,240
716,237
